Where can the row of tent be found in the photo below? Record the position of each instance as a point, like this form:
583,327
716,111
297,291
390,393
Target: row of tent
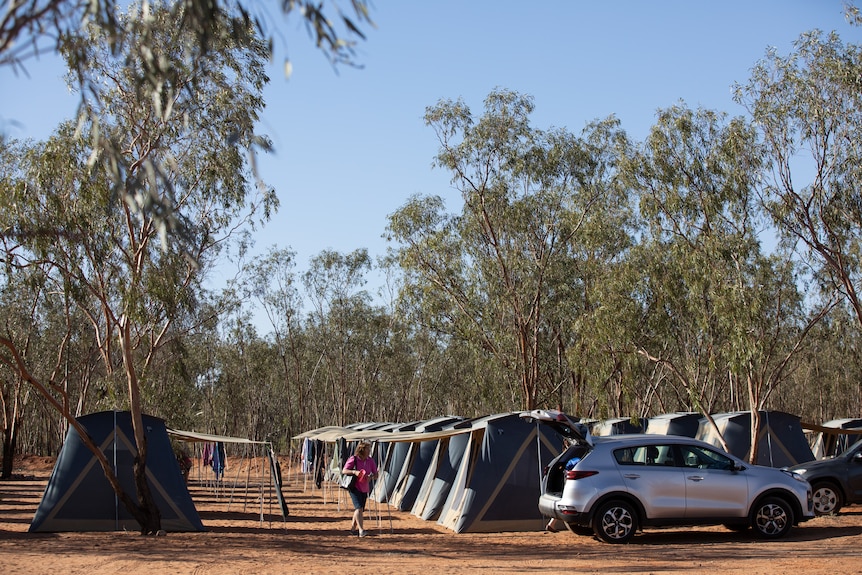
474,475
783,439
483,475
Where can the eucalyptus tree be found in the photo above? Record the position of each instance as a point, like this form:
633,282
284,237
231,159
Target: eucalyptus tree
37,26
247,384
499,274
271,281
19,305
827,380
337,327
807,107
718,311
28,29
41,322
107,253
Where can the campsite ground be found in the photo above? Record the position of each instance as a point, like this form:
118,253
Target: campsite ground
314,539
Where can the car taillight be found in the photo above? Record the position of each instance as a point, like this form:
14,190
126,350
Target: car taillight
578,474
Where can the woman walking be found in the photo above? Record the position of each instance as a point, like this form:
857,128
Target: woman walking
364,469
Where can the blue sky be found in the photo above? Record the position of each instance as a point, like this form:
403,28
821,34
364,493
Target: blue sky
351,146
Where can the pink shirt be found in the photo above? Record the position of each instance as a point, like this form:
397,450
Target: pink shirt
367,465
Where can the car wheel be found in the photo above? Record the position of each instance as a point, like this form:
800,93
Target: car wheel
615,522
827,498
772,518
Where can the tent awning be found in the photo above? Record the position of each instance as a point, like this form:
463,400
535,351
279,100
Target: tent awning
332,434
831,430
195,437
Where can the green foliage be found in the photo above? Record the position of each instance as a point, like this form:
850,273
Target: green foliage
159,66
808,108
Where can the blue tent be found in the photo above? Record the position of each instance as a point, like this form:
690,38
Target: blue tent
780,438
78,497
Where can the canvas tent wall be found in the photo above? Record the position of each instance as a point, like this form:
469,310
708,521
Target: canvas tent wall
781,440
78,497
441,474
496,487
682,423
391,457
415,467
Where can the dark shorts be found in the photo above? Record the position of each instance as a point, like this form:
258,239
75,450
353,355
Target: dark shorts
359,498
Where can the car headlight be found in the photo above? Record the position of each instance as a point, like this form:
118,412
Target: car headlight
795,474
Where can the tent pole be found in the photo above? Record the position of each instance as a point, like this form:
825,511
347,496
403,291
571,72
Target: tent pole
114,457
769,439
539,454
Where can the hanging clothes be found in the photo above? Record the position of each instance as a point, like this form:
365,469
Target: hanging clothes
219,460
207,456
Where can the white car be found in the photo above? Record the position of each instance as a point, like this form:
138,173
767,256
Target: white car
617,485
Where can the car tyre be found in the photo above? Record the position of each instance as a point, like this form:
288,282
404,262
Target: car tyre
827,498
615,522
772,518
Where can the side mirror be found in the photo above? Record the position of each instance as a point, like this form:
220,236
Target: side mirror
857,457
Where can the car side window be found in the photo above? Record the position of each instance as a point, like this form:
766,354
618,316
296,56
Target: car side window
702,458
663,455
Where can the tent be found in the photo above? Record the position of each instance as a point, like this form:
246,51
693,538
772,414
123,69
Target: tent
679,423
835,436
781,440
391,457
617,426
496,486
78,497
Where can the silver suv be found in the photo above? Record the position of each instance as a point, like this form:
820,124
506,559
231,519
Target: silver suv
617,485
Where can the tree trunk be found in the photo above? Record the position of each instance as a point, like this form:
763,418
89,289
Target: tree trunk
755,432
10,439
150,518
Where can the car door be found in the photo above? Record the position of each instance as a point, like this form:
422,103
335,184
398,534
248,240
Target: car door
714,488
659,486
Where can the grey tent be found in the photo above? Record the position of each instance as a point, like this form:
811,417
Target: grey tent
830,441
679,423
496,486
781,440
78,497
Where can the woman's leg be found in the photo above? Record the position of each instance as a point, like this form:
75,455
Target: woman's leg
359,500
